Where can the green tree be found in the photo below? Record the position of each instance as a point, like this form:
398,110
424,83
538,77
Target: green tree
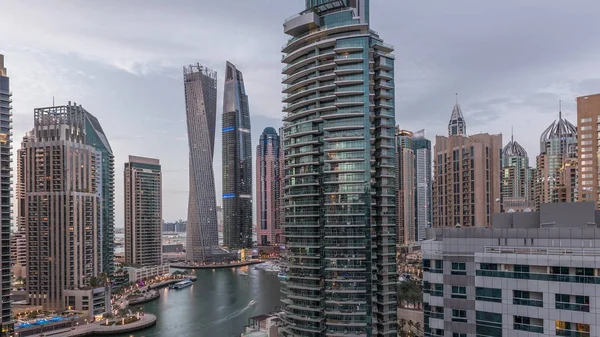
402,324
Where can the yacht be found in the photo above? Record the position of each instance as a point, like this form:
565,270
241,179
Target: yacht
182,284
243,273
283,276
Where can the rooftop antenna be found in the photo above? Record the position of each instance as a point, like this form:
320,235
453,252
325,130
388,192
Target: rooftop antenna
456,95
512,138
53,101
559,109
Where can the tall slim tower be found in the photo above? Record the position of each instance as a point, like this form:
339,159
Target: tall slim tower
457,125
558,143
5,197
517,178
201,112
237,162
143,211
62,205
405,179
588,117
340,205
422,151
268,191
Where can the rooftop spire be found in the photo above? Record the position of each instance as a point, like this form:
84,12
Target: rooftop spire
559,109
457,125
512,134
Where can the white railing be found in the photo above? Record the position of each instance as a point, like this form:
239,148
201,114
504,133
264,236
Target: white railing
542,251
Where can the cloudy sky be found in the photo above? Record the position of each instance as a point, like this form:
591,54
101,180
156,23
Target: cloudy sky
510,61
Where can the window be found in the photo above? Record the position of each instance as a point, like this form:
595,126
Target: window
586,136
459,315
586,162
586,149
488,266
584,271
488,294
587,176
526,324
531,299
459,268
559,270
456,334
587,182
565,302
586,156
586,128
488,324
459,292
586,120
572,329
586,142
521,268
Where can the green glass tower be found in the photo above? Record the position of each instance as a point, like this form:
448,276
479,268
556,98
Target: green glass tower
339,208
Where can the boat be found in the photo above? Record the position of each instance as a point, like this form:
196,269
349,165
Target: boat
283,276
253,302
243,273
182,284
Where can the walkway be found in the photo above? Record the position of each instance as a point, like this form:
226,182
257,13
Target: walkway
214,266
147,320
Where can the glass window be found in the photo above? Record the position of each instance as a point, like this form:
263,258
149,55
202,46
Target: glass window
459,292
459,268
488,294
586,128
459,315
488,266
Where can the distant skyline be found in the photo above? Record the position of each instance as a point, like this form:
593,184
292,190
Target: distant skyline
510,62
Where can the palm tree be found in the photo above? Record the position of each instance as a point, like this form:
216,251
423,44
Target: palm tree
410,324
418,327
402,323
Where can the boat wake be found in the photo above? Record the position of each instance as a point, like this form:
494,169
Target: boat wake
231,315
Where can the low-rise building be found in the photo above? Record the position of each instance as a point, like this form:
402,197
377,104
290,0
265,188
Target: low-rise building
262,326
531,272
136,274
95,301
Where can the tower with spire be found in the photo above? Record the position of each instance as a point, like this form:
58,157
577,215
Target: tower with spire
457,125
517,177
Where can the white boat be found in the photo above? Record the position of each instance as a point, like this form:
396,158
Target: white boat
243,273
253,302
182,284
283,276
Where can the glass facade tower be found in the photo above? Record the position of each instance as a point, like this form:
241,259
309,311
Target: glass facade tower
237,162
5,197
200,85
268,191
339,174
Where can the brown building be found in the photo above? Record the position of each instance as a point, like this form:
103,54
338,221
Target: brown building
588,117
405,193
466,187
567,189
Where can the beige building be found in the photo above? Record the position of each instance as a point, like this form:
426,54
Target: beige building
588,119
405,193
143,212
569,178
466,171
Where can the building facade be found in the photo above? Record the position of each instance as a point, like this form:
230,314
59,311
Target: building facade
5,197
63,201
588,117
466,188
457,125
201,112
237,162
405,195
268,192
558,143
517,178
339,200
143,211
423,183
532,273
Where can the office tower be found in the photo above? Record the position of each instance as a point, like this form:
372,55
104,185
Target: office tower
405,194
517,178
237,162
5,196
201,112
457,125
268,197
340,205
143,212
588,117
422,150
530,274
569,180
96,137
557,144
63,183
466,188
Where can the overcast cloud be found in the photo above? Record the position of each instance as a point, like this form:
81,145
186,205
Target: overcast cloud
510,61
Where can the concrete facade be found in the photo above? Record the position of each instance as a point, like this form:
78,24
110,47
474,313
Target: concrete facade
269,155
588,121
532,272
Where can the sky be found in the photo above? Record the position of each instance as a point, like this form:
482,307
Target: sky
509,61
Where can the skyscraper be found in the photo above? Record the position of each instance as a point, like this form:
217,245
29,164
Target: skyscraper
517,178
5,196
237,162
143,211
340,205
558,143
422,151
63,201
405,179
268,192
96,137
457,125
466,188
588,117
201,112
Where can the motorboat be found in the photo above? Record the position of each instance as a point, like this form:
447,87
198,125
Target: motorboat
253,302
283,276
182,284
243,273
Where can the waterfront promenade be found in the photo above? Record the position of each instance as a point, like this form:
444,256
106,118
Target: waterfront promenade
96,328
215,266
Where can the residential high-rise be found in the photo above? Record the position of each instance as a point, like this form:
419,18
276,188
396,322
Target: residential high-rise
63,205
143,211
201,112
530,274
517,178
405,180
5,197
340,204
588,117
268,192
96,137
466,188
237,162
457,125
422,151
557,144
